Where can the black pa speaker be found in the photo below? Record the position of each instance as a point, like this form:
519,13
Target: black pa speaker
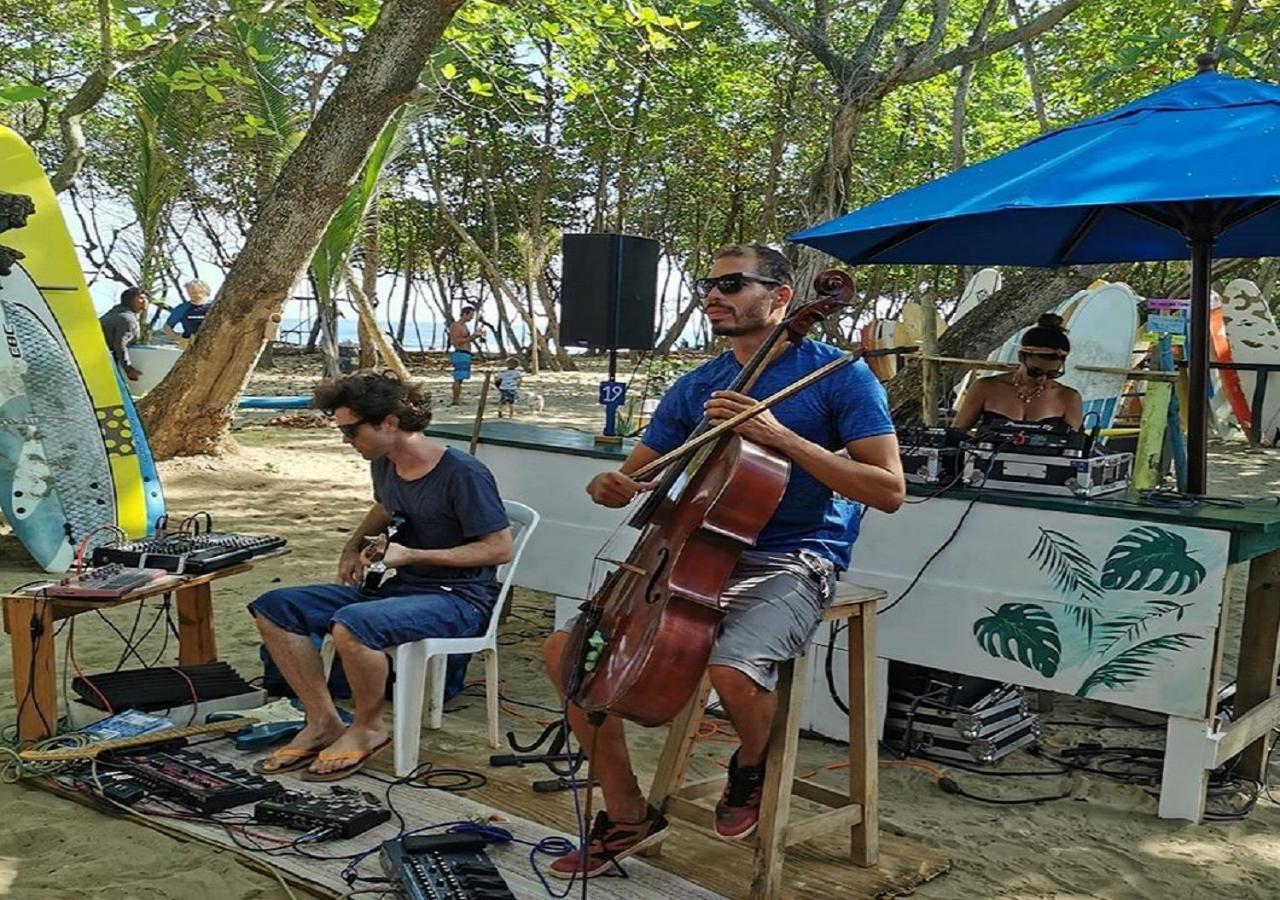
608,288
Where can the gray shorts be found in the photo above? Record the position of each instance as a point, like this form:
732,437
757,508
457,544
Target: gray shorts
775,604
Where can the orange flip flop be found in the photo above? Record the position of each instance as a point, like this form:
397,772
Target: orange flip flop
286,759
358,760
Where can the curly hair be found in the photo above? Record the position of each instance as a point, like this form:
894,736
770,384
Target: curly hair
375,395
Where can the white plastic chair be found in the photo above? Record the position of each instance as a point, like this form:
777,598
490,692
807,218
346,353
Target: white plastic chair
420,666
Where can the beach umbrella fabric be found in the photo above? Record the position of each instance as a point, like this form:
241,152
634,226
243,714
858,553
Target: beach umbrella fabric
1190,169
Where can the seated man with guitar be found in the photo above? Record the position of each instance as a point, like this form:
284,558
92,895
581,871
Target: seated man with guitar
437,520
774,599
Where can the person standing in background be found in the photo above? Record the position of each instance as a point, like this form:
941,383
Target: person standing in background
461,336
508,381
189,314
121,327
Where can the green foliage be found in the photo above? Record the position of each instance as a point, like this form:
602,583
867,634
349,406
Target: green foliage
1151,558
1135,664
1022,632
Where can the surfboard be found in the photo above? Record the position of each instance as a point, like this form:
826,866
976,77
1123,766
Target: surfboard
982,285
296,402
1250,329
1103,327
72,452
1220,350
154,362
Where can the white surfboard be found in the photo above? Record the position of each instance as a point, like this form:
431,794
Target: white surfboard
60,485
982,285
154,362
1102,326
1254,338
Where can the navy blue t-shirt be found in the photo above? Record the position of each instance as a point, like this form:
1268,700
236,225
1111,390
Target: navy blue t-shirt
846,406
188,316
455,503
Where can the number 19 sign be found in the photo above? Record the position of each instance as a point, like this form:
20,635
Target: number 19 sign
612,395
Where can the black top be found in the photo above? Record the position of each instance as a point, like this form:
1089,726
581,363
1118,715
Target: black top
992,419
455,503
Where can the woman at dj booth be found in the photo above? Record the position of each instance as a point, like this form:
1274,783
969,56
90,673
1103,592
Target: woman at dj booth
1031,393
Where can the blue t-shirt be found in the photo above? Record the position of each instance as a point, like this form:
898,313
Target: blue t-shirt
455,503
189,316
846,406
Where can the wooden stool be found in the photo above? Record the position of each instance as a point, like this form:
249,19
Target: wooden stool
857,811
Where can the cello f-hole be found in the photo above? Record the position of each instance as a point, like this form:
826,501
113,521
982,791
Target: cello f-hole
653,592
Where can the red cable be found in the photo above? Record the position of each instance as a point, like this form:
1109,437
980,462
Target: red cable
71,653
195,699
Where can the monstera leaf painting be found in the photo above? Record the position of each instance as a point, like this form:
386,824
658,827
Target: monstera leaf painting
1022,632
1149,558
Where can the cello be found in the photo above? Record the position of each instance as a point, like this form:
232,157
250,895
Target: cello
642,642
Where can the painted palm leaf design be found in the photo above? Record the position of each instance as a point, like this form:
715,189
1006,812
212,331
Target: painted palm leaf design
1072,573
1022,632
1133,626
1152,559
1136,663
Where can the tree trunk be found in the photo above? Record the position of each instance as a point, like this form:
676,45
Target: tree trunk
1022,299
369,285
190,411
410,261
382,347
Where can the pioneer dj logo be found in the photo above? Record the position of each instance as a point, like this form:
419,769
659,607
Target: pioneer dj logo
11,340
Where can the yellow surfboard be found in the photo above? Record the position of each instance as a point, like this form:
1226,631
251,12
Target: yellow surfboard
72,452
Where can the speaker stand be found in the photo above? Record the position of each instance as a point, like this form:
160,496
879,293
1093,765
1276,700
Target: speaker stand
613,394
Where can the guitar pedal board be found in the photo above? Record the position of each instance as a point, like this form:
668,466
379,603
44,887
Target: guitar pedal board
194,780
443,867
343,817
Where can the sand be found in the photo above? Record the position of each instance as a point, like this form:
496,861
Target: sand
303,483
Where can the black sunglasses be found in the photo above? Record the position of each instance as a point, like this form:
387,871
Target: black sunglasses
730,284
1036,371
350,428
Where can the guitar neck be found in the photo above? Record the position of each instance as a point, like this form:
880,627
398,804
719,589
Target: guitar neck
89,751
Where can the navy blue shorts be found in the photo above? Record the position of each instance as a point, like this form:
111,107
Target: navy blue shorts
505,396
400,615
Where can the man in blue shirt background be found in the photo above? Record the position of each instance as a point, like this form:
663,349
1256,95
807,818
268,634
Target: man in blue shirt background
780,588
190,314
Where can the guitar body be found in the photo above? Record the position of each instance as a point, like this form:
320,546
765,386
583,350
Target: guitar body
658,614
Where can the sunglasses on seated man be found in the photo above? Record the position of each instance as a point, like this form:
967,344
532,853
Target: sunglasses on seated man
1035,371
731,283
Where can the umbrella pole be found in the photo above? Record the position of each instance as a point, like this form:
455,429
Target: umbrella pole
1198,362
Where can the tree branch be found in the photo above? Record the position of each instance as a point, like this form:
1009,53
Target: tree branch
865,55
111,66
981,49
814,42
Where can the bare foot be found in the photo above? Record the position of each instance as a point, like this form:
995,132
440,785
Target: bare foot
354,740
313,738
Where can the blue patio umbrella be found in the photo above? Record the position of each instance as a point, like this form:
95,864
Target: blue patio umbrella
1193,167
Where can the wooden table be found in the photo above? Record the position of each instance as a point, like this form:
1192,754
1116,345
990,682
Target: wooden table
29,618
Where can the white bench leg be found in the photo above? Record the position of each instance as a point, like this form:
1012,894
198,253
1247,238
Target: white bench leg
1185,778
411,682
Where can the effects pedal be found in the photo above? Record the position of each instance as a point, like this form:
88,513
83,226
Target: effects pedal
195,780
341,817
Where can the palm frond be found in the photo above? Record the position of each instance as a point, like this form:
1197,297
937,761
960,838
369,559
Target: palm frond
1133,626
1136,663
262,60
1070,569
330,259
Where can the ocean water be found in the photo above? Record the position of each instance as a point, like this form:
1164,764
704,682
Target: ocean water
296,331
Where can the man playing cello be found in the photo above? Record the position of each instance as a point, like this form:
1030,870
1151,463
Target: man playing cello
777,594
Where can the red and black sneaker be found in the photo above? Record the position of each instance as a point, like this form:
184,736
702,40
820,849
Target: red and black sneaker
738,811
609,842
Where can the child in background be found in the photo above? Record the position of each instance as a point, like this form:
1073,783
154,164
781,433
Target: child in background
508,381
